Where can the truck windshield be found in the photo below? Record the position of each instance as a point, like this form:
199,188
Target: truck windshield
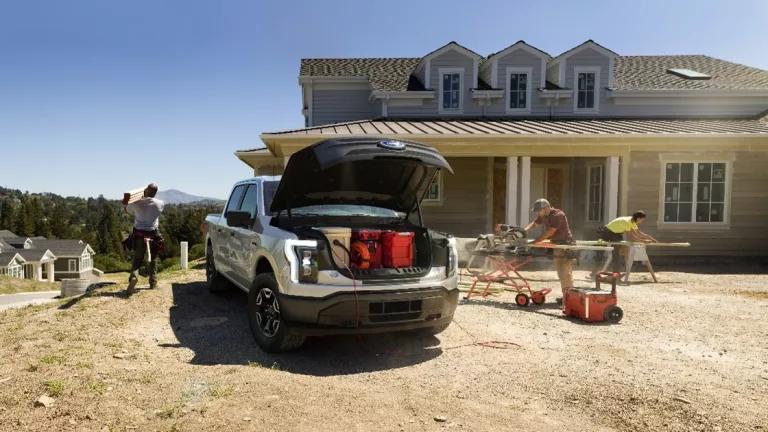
346,210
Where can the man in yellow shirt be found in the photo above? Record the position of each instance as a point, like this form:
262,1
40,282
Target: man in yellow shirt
614,232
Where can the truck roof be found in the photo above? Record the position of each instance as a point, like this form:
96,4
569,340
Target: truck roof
257,179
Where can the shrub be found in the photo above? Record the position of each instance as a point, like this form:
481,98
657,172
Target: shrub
111,263
196,251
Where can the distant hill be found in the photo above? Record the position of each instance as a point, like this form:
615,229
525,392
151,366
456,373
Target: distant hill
173,196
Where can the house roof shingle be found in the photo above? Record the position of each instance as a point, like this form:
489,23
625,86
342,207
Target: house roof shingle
6,233
537,127
630,72
6,257
61,247
33,254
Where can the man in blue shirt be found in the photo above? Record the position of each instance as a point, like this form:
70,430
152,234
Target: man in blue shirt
146,221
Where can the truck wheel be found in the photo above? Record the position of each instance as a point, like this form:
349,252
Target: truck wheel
265,319
216,282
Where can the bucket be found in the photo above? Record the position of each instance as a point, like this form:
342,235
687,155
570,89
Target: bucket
343,235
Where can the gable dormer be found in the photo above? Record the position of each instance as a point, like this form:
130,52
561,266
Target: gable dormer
518,70
451,71
587,70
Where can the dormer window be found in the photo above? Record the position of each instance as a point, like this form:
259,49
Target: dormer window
451,90
586,80
518,89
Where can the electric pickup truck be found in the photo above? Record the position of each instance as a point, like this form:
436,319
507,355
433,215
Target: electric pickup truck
336,245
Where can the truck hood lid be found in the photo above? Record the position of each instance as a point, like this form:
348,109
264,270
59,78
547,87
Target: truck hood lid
365,171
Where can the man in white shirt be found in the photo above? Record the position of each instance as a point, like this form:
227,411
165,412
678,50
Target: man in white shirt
146,221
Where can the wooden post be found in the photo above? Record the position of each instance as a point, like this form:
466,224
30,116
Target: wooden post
525,190
511,211
612,189
184,255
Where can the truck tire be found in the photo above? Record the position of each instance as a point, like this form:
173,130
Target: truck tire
269,329
216,282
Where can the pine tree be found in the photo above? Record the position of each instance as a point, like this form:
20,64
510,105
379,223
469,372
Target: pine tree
59,221
7,214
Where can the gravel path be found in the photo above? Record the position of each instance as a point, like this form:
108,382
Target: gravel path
690,355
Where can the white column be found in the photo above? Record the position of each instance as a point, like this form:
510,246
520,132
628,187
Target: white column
525,189
511,212
184,259
612,188
49,270
38,271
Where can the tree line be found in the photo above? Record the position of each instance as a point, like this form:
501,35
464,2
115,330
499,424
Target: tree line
100,222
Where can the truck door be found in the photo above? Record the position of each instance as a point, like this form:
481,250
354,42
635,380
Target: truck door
223,235
246,241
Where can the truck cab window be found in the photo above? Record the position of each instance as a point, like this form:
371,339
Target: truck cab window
251,200
234,200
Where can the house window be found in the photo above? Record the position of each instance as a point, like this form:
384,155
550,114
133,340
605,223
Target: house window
72,265
695,192
451,86
587,95
595,194
518,89
435,189
86,262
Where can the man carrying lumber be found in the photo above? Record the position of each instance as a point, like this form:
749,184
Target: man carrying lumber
557,231
614,232
146,212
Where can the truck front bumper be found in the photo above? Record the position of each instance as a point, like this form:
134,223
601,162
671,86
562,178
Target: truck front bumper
369,311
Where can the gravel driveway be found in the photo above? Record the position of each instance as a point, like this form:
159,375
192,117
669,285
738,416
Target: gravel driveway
690,354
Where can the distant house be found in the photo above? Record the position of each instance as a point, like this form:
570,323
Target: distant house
40,259
11,264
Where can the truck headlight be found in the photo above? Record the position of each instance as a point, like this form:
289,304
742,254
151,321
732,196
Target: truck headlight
302,259
307,263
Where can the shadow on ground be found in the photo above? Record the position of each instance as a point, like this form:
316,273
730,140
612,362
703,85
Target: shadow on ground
215,328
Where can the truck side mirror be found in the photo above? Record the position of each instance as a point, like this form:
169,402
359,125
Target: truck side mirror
239,219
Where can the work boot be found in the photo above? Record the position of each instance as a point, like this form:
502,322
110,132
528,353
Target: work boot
132,286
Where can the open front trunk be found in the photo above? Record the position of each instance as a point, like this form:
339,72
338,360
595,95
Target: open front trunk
371,250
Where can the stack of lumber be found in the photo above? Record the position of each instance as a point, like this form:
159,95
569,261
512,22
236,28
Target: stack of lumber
133,195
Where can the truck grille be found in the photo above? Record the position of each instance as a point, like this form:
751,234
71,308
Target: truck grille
394,311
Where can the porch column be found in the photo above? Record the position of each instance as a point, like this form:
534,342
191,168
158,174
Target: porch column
511,213
612,188
38,271
525,189
49,271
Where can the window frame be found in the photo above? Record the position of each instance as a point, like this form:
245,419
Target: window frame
257,209
72,262
435,201
693,224
586,69
589,192
528,88
450,70
244,186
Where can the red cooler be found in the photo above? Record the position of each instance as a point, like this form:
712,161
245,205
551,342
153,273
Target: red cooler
397,249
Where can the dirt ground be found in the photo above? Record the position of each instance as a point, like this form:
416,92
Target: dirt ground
690,354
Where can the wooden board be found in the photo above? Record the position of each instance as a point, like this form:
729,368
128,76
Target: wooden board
133,195
549,245
626,243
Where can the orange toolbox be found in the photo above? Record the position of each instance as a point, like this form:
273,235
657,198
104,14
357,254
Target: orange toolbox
593,305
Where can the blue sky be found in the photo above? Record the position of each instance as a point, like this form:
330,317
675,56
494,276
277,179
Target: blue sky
100,96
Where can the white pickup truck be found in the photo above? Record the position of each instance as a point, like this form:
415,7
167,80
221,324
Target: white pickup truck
332,248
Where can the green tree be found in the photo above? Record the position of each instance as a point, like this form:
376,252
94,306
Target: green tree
7,214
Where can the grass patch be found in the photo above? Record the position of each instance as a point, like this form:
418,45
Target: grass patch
276,366
9,285
221,391
166,412
54,388
757,295
52,359
254,364
97,387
